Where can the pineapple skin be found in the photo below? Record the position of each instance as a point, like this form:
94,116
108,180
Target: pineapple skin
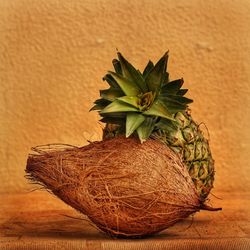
187,140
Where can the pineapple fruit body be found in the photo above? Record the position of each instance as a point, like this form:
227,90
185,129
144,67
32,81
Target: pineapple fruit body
188,140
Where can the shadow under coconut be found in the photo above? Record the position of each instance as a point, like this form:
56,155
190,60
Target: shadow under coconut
69,225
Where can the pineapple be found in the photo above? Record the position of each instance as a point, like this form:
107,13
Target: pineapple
149,105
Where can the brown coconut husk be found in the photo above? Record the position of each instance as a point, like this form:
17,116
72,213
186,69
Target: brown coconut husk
126,188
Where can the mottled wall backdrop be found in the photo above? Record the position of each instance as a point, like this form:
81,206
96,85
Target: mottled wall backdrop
53,54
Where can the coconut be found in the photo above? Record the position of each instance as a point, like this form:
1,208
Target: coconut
124,187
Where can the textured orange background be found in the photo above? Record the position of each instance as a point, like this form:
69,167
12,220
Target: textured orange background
54,53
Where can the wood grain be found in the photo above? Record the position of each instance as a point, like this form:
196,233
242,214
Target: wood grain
38,220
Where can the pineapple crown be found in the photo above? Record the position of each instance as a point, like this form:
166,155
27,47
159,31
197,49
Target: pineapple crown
141,102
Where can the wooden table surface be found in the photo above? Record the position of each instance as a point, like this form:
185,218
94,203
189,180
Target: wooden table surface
38,220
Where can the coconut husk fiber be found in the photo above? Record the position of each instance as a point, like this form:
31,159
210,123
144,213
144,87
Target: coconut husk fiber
124,187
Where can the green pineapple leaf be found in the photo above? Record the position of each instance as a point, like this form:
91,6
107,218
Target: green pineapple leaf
172,105
111,81
148,68
113,120
111,94
172,87
129,72
146,128
128,87
165,78
132,100
114,115
118,106
133,121
159,109
117,66
166,125
100,104
177,98
182,92
183,99
155,76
